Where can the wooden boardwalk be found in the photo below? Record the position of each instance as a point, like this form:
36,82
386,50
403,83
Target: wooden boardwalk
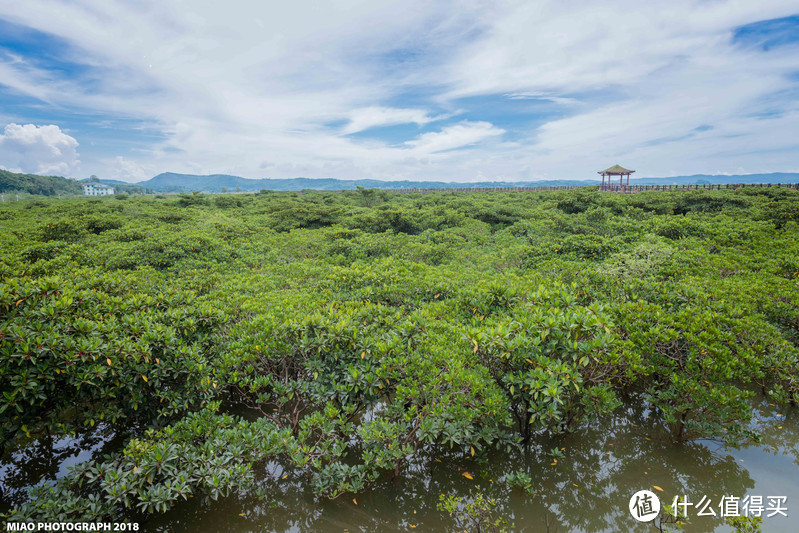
606,188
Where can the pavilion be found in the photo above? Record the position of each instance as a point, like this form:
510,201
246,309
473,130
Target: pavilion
615,170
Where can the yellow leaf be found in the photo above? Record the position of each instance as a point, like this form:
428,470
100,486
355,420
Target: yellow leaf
467,475
471,448
658,488
355,501
554,462
242,514
144,378
475,346
107,360
779,427
214,384
362,354
284,476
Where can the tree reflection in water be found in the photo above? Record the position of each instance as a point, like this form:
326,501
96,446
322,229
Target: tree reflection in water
46,459
588,489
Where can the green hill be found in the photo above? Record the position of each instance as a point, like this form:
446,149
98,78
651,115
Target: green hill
172,182
33,184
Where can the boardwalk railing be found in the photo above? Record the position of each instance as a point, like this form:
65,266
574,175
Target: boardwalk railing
487,189
608,188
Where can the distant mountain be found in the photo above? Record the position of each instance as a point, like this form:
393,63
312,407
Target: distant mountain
107,182
182,183
702,179
34,184
171,182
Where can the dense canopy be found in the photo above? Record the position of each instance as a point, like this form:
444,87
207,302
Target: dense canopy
235,344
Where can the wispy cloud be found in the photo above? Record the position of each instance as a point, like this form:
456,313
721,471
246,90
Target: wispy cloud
451,137
309,88
370,117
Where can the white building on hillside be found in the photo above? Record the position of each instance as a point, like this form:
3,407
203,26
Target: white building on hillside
97,189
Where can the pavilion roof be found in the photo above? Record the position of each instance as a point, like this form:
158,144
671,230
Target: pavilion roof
616,169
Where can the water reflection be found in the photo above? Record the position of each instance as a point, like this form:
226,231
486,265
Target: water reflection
588,489
48,458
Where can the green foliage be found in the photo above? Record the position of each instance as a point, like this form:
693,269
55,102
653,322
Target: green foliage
577,201
99,224
745,524
519,479
227,202
371,197
74,353
188,200
645,260
707,203
782,213
553,358
474,514
349,337
675,228
63,230
204,454
34,184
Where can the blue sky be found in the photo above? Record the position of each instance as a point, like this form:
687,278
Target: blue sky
453,91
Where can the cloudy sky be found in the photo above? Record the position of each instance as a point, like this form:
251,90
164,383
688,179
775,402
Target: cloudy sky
453,91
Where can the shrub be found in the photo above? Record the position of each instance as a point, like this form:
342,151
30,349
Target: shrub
69,348
63,230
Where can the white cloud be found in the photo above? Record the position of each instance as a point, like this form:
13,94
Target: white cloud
547,46
370,117
457,136
230,88
124,169
38,149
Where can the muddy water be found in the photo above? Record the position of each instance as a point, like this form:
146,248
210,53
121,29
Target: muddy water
43,460
587,489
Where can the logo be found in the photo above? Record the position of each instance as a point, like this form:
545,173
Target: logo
644,506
